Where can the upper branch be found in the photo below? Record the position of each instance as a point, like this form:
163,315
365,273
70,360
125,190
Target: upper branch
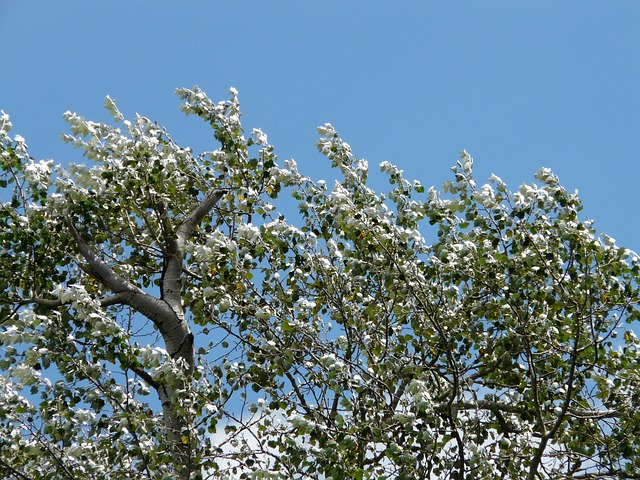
172,275
125,292
101,270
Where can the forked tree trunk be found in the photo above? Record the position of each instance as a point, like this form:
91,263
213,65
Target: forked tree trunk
167,314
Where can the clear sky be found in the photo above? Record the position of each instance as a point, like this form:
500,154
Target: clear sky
518,84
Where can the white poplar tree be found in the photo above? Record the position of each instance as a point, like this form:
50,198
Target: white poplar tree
160,318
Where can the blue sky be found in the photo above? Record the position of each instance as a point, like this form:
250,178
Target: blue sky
518,84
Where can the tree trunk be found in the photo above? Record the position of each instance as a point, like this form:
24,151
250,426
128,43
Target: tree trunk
167,314
172,393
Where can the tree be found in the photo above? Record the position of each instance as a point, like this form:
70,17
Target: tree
161,319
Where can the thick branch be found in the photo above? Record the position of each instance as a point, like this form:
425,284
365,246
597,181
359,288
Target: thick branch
45,302
172,275
188,225
146,377
117,299
126,293
593,414
101,270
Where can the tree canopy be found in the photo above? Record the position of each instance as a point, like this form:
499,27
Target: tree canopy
161,317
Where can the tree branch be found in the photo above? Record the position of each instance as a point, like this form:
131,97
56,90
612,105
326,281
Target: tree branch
146,377
13,471
117,299
156,310
101,270
171,284
537,459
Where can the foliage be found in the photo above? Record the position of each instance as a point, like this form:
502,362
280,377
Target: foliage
161,318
